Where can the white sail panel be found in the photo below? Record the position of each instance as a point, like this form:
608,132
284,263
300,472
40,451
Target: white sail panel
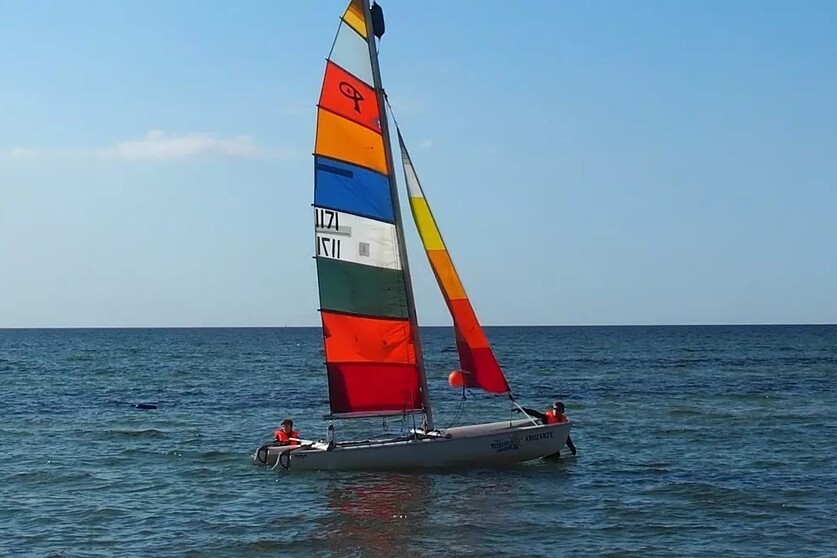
347,237
351,52
413,185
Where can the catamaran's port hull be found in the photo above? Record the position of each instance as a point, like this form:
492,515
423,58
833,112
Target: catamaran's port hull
479,445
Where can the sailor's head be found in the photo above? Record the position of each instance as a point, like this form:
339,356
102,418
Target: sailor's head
558,406
287,425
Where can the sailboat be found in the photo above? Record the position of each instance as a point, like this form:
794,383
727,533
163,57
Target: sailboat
373,352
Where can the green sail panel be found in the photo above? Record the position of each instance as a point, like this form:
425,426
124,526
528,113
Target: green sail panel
361,289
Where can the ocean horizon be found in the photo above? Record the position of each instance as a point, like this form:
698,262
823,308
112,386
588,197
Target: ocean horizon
438,326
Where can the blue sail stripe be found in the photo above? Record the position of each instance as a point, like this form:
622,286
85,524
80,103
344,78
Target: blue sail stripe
353,189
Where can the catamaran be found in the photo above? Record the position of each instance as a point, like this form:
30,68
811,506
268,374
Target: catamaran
373,352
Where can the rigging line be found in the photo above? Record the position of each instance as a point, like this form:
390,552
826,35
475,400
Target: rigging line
458,414
334,41
389,106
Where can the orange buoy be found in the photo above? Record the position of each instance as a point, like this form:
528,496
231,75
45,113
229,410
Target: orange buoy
457,379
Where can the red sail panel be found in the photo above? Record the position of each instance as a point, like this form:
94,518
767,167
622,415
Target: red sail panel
347,96
372,387
371,364
475,354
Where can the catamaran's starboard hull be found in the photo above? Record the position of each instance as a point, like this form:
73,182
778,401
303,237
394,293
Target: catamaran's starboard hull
479,445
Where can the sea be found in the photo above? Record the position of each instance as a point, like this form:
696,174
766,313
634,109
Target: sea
692,441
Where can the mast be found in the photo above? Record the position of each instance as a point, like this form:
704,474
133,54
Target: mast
402,245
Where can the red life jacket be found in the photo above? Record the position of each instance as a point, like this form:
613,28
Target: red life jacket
285,439
554,417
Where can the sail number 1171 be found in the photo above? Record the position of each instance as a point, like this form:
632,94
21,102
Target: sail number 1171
327,220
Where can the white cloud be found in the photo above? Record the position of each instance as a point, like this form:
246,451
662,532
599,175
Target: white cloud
157,145
425,144
22,153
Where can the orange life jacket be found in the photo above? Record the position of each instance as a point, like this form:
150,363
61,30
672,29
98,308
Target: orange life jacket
554,417
285,439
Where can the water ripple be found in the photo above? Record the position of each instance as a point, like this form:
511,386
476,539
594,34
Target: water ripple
694,441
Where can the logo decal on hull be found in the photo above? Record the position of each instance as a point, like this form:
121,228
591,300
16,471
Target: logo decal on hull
506,445
541,436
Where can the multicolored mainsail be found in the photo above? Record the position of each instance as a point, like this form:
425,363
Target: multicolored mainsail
475,355
372,353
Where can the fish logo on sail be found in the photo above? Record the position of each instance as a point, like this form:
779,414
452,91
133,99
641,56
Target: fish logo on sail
351,92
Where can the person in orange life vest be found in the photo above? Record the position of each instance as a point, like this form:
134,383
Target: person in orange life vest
555,415
284,434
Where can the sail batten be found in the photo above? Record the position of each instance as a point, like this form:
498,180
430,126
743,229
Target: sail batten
372,414
370,340
476,358
352,164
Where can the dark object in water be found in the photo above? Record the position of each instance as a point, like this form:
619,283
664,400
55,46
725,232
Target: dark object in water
144,406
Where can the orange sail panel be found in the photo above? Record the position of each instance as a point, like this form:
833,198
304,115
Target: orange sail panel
359,339
475,355
344,140
355,18
370,345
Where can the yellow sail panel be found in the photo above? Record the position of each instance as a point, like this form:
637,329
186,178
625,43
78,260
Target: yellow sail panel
347,141
354,17
426,225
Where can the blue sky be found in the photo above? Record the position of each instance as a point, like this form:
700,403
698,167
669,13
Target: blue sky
588,162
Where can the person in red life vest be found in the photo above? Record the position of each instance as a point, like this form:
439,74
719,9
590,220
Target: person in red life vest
555,415
285,434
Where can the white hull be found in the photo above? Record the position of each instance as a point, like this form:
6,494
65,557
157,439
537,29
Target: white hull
479,445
